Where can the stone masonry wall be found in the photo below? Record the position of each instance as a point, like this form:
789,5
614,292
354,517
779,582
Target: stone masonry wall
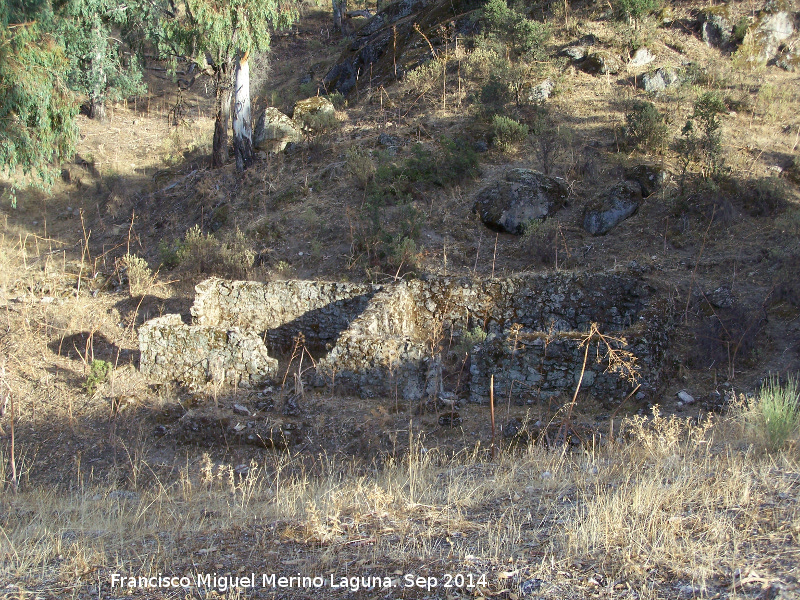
321,310
194,355
382,340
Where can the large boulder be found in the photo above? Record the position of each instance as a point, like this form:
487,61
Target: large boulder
314,113
601,63
772,29
641,57
274,130
539,93
659,80
650,178
716,28
520,196
611,207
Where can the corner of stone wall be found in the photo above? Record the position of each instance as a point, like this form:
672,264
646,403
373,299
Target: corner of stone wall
196,355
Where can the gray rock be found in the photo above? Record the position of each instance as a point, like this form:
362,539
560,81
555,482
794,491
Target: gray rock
541,92
241,410
519,197
789,60
601,63
274,130
612,207
685,397
305,111
650,178
772,29
390,141
588,378
722,297
659,80
715,26
641,57
575,53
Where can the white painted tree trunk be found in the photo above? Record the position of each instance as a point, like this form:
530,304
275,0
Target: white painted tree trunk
242,117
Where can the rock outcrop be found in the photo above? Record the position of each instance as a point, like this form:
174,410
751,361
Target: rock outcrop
521,195
611,207
274,130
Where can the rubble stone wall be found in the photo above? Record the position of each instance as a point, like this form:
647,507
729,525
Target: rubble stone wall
321,310
195,355
394,339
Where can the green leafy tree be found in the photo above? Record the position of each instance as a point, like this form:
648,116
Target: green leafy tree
215,34
98,68
521,34
37,109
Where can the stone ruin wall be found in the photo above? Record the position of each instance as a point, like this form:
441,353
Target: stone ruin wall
387,340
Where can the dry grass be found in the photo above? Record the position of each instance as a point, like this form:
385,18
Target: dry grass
678,508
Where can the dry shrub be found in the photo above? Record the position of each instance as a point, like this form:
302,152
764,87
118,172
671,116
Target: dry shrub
361,167
230,257
140,277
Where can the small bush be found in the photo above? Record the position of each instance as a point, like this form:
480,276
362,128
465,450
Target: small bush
514,28
765,197
425,77
169,253
645,127
337,99
507,132
360,166
635,9
495,93
204,253
705,148
308,89
777,411
540,241
469,339
99,371
320,122
139,274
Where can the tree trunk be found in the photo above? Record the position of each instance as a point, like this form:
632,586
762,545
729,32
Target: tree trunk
339,8
242,118
97,110
219,153
97,77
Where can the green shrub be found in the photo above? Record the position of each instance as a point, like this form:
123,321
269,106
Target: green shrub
495,93
337,99
635,9
469,339
645,127
99,371
514,28
777,411
540,241
308,89
507,132
766,196
701,137
458,163
320,122
169,253
361,166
